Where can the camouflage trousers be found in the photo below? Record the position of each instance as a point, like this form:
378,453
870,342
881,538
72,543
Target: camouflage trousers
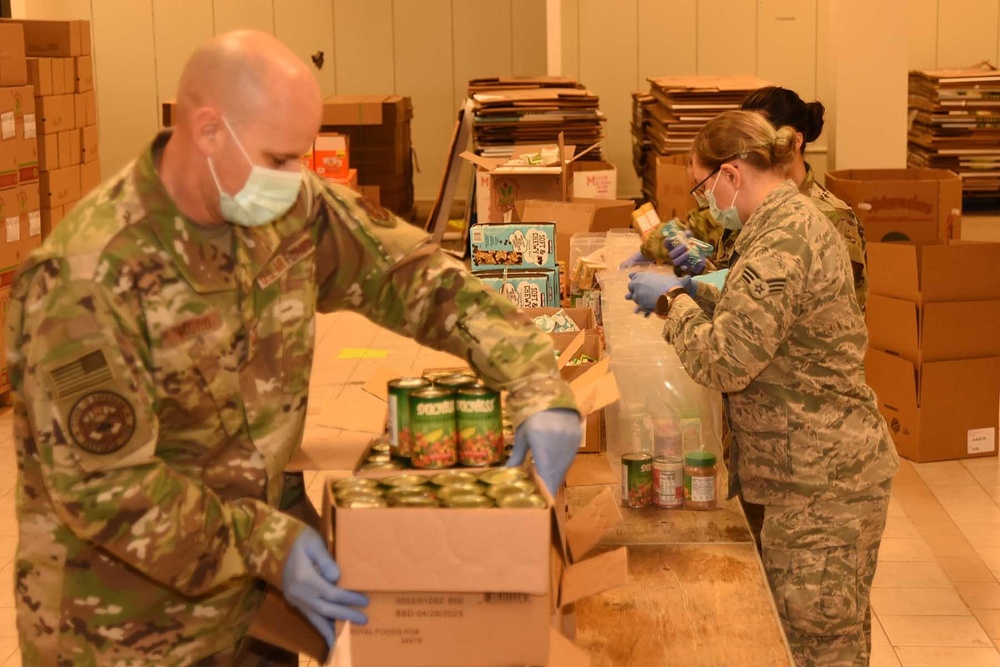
820,560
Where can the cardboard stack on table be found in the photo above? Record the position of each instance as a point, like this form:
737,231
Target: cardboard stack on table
61,69
665,121
20,223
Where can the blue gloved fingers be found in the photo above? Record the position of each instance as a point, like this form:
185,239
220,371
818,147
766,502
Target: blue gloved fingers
520,449
638,259
342,596
554,438
330,611
315,549
632,274
324,627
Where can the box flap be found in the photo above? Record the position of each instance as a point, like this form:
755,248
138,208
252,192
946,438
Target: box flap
594,575
892,270
893,326
609,213
893,378
959,272
590,524
589,470
599,388
482,162
564,653
959,330
280,624
567,354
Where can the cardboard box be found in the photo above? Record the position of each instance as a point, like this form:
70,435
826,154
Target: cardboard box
573,217
69,76
4,303
91,107
525,288
83,67
19,217
330,155
60,187
66,142
40,76
902,204
13,66
88,144
56,113
366,110
30,203
595,180
50,218
351,181
673,187
49,158
80,110
513,245
52,38
934,272
58,67
90,177
86,41
18,143
499,186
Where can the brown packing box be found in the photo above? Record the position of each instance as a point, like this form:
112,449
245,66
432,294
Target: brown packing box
58,66
48,152
499,188
86,42
88,143
19,216
83,73
26,126
56,113
593,179
30,203
90,177
60,187
13,66
934,357
53,38
50,218
4,303
69,148
579,215
69,76
366,110
91,119
902,204
673,187
80,110
40,76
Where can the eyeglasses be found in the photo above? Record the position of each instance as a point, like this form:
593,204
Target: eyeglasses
697,191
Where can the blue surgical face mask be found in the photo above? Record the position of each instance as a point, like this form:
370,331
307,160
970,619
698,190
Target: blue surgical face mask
728,218
266,196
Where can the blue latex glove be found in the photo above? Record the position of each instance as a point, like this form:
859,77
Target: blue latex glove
554,438
309,583
645,288
638,259
679,254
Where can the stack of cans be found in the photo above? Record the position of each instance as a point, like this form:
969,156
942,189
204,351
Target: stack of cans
507,488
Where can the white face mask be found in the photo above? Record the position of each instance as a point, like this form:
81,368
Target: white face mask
266,196
729,218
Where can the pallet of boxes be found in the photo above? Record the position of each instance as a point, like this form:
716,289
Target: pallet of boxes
20,219
61,70
933,312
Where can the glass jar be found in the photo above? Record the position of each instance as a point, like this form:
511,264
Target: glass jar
700,471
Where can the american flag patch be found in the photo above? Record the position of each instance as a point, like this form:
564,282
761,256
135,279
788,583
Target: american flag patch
89,371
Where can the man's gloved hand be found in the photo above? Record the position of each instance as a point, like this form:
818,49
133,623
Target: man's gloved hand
554,438
638,259
645,288
309,583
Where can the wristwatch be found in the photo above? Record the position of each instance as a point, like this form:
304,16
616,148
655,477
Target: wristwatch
665,300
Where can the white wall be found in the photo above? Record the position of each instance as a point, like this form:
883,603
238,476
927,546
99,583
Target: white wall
428,49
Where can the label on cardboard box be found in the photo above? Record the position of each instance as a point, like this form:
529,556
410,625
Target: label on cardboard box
35,223
7,130
13,229
29,126
982,440
513,245
525,289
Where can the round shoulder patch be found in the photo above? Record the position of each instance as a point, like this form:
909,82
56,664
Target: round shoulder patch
376,213
102,422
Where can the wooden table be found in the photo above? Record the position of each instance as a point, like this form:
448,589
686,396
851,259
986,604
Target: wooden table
696,593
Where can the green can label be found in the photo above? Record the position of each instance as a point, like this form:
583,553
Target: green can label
480,427
400,436
637,479
432,422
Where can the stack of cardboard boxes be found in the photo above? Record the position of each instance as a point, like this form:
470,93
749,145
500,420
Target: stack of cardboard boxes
61,69
20,222
378,131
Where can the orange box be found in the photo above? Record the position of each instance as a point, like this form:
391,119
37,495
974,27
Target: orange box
307,160
351,181
331,155
83,67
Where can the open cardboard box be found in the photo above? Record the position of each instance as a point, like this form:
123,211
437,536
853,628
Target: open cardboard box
573,217
902,204
673,187
934,356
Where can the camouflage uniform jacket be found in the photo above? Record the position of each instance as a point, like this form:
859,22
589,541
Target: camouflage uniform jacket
785,343
160,372
703,226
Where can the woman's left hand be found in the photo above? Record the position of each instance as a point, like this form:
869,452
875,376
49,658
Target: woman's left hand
645,288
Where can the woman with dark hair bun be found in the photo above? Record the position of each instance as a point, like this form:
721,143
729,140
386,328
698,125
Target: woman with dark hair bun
782,107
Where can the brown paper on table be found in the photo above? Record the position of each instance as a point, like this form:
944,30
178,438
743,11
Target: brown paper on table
353,410
377,383
603,572
329,450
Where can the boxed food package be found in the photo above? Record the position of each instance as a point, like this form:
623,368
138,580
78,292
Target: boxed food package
934,356
525,288
330,155
513,245
595,180
902,204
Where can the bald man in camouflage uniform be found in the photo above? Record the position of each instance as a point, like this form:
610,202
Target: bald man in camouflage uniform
161,368
784,341
703,227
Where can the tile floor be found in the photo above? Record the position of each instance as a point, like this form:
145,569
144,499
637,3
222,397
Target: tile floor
936,596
